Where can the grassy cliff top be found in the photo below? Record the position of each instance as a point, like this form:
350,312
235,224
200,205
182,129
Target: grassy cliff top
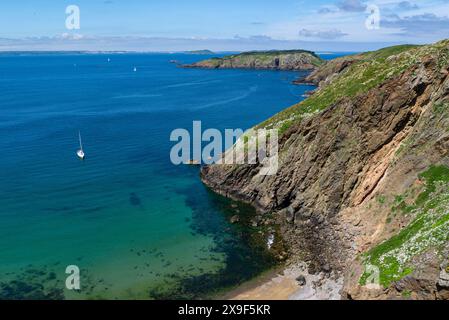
288,59
202,52
371,69
270,53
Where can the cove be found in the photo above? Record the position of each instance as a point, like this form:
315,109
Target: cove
136,226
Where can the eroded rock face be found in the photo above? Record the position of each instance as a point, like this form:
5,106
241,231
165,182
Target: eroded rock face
334,164
332,68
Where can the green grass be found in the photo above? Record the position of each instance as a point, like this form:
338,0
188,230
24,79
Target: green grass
372,70
261,57
389,51
381,199
432,176
440,108
430,228
272,53
406,294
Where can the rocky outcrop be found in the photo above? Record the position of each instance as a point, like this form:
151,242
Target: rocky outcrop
330,69
273,60
200,52
346,154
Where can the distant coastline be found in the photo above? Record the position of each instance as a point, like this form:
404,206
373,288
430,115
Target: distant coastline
294,60
194,52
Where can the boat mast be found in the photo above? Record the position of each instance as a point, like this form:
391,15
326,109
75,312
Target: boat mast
81,144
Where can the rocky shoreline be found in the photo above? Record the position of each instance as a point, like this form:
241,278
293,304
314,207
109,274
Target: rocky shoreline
293,282
371,142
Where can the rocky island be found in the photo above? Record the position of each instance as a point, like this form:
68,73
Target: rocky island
272,60
199,52
362,191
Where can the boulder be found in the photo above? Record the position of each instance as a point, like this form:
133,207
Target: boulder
301,280
235,219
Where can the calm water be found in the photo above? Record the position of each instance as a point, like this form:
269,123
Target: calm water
136,225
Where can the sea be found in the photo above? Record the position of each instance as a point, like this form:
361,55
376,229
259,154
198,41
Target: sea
125,223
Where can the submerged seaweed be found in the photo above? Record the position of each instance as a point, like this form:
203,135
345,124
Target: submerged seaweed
245,251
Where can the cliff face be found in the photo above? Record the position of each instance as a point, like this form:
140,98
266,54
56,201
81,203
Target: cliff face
274,60
363,175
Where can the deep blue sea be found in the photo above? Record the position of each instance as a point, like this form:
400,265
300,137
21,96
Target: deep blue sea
136,225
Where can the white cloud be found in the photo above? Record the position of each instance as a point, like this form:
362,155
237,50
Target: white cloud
401,21
348,17
71,36
351,5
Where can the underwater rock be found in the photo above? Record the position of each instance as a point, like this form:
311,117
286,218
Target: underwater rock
235,219
134,200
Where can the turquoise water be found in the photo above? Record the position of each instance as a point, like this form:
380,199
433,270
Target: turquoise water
136,225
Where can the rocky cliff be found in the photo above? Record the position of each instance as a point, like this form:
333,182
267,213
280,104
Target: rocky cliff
274,60
363,182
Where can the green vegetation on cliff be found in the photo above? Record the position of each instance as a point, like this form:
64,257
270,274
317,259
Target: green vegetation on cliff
272,53
278,60
200,52
429,229
373,69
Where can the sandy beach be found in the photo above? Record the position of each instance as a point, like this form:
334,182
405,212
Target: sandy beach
283,284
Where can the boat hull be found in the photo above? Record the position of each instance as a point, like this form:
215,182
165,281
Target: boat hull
80,154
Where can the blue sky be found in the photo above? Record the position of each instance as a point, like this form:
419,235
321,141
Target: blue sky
172,25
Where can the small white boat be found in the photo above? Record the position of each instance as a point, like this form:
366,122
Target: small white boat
80,152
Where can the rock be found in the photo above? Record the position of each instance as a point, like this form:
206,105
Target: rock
235,219
400,285
320,219
273,60
326,73
306,214
357,222
288,214
301,280
443,281
326,268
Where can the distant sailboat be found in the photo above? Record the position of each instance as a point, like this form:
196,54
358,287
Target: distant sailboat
80,152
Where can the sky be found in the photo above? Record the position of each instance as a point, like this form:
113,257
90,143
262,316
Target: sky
231,25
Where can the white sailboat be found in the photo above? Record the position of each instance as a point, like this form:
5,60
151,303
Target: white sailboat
80,152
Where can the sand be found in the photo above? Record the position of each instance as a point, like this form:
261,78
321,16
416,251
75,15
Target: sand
284,286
